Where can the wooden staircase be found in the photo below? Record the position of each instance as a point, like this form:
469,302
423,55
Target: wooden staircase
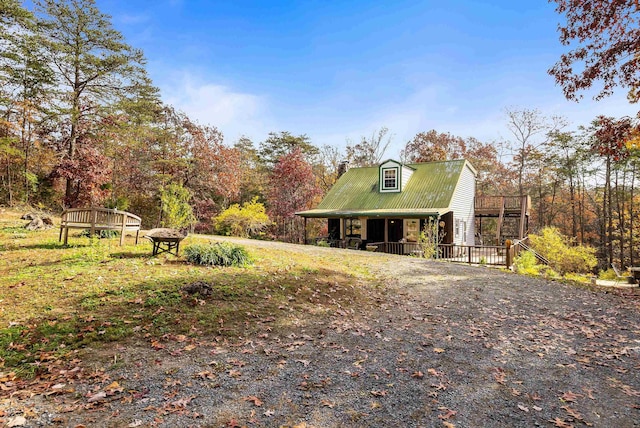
502,207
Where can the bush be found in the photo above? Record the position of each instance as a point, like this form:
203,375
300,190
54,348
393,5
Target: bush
563,254
218,254
248,220
102,234
525,263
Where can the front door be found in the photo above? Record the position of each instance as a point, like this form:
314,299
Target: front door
395,230
375,230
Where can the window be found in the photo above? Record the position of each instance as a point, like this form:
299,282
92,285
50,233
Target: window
412,228
352,228
390,179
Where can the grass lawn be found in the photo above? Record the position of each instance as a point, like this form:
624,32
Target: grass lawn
56,299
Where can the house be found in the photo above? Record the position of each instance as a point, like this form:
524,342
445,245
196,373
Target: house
388,205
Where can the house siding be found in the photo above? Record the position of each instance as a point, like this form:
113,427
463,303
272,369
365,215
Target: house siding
405,175
462,205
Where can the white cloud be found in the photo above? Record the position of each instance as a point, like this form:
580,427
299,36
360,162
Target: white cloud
233,112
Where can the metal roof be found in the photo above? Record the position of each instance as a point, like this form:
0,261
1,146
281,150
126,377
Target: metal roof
428,192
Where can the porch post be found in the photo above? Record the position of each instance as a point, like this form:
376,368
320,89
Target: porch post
386,230
305,231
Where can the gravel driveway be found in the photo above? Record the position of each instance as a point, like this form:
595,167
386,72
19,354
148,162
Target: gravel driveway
443,345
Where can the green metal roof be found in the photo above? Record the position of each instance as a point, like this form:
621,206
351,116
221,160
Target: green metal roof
428,192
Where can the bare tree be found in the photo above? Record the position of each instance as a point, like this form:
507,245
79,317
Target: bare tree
369,152
529,129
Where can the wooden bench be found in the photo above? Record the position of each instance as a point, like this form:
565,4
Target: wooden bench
95,219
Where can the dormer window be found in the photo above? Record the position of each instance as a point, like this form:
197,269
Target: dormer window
393,176
390,179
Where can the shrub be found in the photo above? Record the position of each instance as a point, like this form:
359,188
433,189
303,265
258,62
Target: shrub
248,220
563,254
102,234
608,274
430,239
218,254
525,263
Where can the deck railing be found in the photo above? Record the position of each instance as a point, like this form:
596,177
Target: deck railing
497,202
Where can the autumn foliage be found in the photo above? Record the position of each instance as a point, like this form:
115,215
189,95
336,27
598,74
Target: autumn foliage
604,36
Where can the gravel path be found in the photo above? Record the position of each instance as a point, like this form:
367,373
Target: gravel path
444,345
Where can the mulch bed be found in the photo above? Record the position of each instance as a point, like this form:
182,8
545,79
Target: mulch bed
441,345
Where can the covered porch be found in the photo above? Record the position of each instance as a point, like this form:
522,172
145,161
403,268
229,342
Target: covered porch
395,233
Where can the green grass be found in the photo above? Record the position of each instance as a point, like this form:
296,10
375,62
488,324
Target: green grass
55,299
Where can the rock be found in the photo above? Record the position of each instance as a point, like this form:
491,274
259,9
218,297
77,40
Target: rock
36,224
39,221
198,287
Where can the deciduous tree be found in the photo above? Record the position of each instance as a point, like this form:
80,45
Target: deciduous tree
604,36
292,187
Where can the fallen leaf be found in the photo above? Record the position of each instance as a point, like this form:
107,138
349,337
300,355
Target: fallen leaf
135,423
379,393
569,396
18,421
255,400
114,387
182,402
269,413
100,395
417,375
448,414
327,403
572,412
438,350
523,408
560,423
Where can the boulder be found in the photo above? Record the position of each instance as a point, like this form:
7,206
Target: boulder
39,221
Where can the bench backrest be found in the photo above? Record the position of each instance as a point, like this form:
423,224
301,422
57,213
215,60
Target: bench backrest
102,216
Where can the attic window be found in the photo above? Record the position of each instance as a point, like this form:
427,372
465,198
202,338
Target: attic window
390,179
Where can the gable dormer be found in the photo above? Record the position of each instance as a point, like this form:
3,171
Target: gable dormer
393,176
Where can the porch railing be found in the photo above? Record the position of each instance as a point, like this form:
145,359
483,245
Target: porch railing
495,255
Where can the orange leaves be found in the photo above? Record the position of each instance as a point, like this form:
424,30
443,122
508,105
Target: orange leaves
560,423
570,396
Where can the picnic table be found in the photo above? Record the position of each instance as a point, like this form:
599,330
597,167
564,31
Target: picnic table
165,240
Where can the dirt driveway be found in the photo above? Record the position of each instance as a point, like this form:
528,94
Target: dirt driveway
443,345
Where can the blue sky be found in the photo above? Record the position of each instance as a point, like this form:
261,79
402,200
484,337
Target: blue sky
338,70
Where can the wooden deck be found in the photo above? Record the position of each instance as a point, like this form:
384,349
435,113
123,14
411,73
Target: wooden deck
508,206
502,207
